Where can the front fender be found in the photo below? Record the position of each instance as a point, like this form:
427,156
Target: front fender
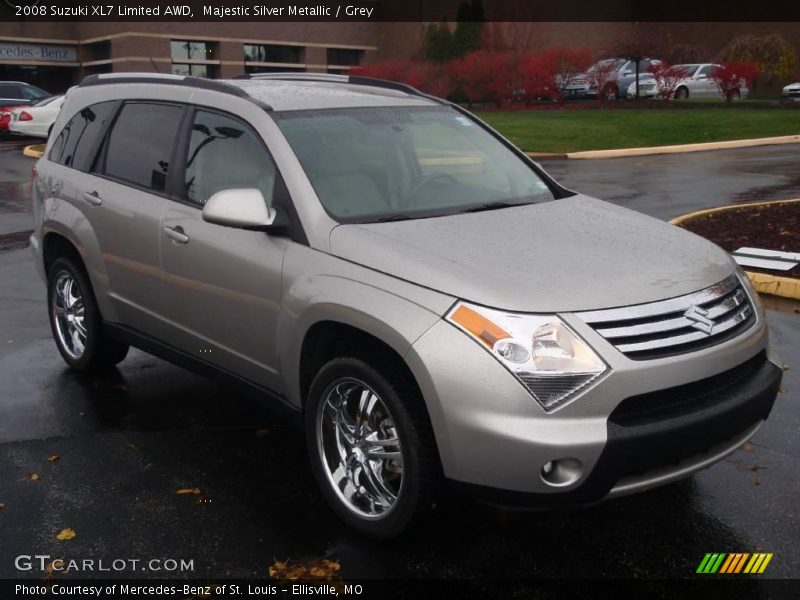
319,287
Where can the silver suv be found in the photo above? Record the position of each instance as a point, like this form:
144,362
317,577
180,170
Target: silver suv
423,298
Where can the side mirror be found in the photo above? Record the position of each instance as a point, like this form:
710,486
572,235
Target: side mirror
243,208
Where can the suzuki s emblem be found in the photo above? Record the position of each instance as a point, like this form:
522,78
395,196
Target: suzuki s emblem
699,318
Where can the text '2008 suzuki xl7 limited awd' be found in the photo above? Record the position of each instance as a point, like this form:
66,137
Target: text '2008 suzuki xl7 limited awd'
423,297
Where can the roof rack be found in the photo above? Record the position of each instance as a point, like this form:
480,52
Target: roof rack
160,78
351,79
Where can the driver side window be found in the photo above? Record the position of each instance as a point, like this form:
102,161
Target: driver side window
224,153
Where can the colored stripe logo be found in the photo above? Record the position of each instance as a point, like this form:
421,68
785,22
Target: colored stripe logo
734,562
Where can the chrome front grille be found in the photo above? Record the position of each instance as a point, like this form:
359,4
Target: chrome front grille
677,325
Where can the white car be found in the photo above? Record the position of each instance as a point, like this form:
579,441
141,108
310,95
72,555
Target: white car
36,120
792,91
699,84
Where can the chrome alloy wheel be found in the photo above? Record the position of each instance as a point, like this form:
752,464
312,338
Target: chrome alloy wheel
68,310
360,448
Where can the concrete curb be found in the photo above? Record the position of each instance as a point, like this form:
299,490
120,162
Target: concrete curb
677,149
764,283
34,151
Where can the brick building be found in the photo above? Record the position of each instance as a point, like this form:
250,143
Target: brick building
56,55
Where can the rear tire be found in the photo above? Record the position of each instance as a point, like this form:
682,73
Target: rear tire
682,93
75,319
371,446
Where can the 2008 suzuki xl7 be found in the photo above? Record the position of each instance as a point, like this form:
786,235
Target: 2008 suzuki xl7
431,303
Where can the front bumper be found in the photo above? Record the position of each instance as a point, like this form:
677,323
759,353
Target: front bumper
494,439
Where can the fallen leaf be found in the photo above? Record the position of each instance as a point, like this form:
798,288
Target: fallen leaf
781,390
66,534
263,432
748,447
2,505
132,446
184,491
756,481
53,458
316,569
31,477
754,468
786,367
50,568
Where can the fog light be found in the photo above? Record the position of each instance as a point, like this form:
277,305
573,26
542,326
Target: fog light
562,472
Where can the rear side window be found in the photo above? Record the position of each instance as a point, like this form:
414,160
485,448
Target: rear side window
76,144
33,93
8,90
225,154
140,144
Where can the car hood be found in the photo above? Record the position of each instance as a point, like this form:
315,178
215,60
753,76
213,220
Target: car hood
566,255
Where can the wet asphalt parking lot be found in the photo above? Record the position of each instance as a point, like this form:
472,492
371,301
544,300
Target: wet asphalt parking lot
127,440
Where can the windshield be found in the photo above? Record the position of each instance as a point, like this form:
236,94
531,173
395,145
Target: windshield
45,101
609,62
389,163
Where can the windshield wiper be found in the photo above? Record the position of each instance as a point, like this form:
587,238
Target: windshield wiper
491,206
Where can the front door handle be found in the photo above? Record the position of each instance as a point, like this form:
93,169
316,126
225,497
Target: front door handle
176,234
93,198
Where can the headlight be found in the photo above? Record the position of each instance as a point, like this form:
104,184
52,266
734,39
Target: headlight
550,360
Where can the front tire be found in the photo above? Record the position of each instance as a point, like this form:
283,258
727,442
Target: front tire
371,446
682,93
75,319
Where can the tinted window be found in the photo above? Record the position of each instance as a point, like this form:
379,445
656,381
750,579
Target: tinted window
225,154
140,144
76,143
9,91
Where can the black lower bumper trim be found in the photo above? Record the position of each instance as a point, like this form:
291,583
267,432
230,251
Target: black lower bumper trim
709,413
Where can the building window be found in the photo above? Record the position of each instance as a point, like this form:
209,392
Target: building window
273,53
183,50
344,56
188,56
98,51
193,70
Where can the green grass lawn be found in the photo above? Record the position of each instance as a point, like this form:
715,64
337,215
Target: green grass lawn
574,130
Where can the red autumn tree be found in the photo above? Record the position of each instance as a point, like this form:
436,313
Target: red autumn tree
537,77
567,63
475,75
426,76
731,77
601,77
667,78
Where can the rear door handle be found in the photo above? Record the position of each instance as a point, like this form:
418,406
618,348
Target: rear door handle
176,234
93,198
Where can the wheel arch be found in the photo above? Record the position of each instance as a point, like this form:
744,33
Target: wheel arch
59,239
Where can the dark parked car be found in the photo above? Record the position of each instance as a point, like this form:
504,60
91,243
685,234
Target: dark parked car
15,93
